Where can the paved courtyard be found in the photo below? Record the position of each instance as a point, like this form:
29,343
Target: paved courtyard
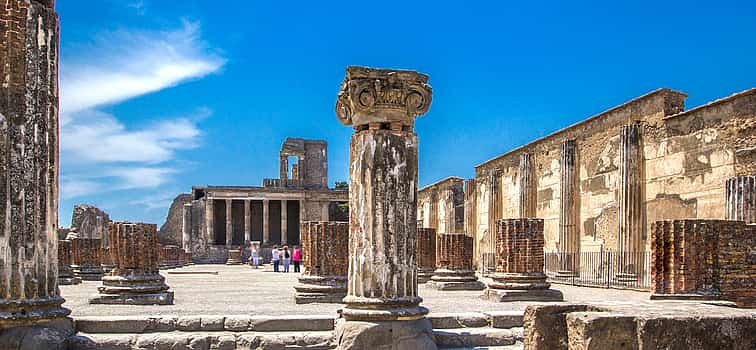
243,290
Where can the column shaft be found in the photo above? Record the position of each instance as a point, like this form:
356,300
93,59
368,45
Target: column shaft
740,199
568,240
229,223
266,222
284,222
210,220
527,187
186,228
247,222
630,201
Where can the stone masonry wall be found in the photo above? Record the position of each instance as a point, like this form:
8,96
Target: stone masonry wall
90,222
519,246
454,251
442,205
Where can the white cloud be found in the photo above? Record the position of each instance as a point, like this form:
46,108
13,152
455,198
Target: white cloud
77,187
140,177
155,201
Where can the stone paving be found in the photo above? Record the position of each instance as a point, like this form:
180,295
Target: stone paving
243,290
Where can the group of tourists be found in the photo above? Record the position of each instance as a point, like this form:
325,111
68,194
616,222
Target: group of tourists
280,257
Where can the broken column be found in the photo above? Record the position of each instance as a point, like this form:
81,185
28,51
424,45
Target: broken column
135,279
325,247
426,254
382,306
740,199
65,272
519,263
569,244
454,270
629,244
86,260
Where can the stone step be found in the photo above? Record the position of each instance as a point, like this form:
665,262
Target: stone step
203,340
495,319
477,337
515,346
204,323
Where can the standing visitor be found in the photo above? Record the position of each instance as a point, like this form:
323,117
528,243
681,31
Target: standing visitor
253,256
276,255
286,258
296,258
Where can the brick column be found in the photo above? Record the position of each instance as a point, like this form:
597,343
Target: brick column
382,302
86,260
186,228
325,248
229,223
426,254
454,270
569,244
65,272
266,222
740,199
135,279
29,164
107,260
168,257
519,263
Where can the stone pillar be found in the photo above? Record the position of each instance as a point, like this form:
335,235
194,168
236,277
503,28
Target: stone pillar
107,260
210,220
325,247
454,270
29,165
266,222
446,204
247,222
426,254
186,228
229,223
284,222
494,203
569,243
519,263
234,256
629,244
740,199
433,215
135,280
382,306
86,258
527,187
324,210
65,272
283,170
471,213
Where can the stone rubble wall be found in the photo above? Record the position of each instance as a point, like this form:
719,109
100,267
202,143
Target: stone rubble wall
91,222
170,231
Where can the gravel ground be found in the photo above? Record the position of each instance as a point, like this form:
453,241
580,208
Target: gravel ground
243,290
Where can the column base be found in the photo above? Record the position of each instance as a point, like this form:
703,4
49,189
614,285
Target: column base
28,312
88,273
107,268
385,335
374,309
687,296
49,335
161,298
424,274
444,279
320,289
68,280
506,295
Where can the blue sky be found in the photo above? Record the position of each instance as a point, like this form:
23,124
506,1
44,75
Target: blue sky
157,96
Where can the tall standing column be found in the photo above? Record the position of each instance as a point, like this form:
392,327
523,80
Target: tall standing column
433,215
186,228
283,170
382,306
247,222
210,220
568,240
29,164
740,199
527,187
630,201
266,222
229,223
284,222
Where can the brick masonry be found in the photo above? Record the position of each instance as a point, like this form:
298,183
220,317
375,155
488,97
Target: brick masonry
325,248
426,248
86,258
454,251
519,246
705,257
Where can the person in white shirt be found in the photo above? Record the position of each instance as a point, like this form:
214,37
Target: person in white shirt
276,256
254,256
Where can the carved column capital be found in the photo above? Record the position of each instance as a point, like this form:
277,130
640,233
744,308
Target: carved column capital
369,95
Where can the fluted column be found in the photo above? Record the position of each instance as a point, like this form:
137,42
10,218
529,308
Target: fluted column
471,213
568,240
266,222
630,219
229,223
284,170
381,105
284,222
210,220
29,163
740,199
186,228
527,187
247,222
433,215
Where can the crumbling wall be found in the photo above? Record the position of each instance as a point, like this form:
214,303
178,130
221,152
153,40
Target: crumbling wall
91,222
170,231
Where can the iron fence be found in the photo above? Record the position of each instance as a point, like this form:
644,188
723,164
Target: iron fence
608,269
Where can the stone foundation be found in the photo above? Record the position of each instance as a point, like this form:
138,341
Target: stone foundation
86,258
519,263
135,279
454,264
325,247
426,254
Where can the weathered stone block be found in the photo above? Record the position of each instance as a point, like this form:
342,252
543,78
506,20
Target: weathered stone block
546,325
505,319
696,333
600,330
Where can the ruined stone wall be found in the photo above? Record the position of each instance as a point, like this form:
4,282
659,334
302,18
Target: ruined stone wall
90,222
170,231
442,205
315,165
686,158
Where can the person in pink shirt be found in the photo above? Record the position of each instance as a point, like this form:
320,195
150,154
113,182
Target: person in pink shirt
296,258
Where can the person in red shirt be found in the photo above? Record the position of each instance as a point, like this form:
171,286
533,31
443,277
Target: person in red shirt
296,258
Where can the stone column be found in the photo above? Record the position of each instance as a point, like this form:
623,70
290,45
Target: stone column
135,280
284,222
266,222
283,170
447,206
229,223
247,222
568,240
382,306
324,211
629,244
65,272
494,202
325,247
425,254
740,199
520,263
454,270
186,228
210,220
433,215
29,164
86,260
527,187
471,198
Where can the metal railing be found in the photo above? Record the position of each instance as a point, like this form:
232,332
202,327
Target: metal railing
607,269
